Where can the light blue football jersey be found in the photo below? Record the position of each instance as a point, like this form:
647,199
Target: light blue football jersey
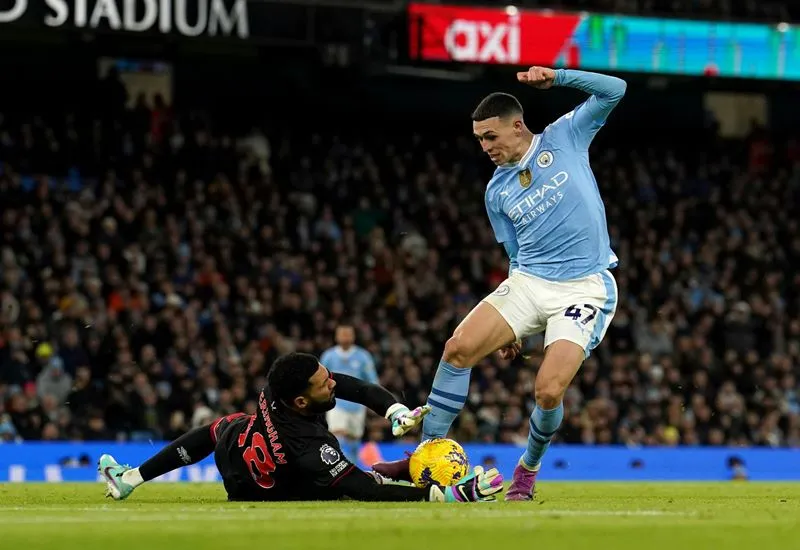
549,202
356,362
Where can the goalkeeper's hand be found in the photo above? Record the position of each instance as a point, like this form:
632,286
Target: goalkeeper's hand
404,420
479,486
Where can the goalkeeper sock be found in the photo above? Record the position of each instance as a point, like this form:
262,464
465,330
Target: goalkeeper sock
543,426
190,448
132,477
447,398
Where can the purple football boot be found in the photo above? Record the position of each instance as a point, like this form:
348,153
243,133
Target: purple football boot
523,484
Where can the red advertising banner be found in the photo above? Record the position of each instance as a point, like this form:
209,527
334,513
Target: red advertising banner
492,35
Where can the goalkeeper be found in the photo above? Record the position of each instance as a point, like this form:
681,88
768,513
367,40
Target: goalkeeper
285,452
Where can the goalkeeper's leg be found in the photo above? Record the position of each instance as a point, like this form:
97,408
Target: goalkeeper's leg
190,448
482,332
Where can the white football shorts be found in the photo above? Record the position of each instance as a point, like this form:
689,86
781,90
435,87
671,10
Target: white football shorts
579,311
351,423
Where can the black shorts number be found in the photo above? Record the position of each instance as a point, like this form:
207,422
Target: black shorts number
575,313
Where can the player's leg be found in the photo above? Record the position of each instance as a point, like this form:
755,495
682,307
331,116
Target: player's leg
561,362
190,448
340,424
482,332
358,425
573,331
508,314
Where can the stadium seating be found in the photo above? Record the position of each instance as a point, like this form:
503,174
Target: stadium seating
152,268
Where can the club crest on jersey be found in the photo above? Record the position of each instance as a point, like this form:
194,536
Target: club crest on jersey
329,455
544,159
525,178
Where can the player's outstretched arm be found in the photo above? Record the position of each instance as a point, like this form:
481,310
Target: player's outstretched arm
359,485
587,119
606,91
334,477
381,401
479,486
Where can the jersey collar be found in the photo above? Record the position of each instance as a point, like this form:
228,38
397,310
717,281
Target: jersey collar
526,158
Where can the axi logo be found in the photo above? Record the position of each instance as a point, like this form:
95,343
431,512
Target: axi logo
483,42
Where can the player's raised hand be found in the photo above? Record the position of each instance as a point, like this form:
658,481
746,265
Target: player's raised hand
479,486
404,420
541,78
510,351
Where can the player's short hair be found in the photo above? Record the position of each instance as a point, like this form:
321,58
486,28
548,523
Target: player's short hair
497,104
288,377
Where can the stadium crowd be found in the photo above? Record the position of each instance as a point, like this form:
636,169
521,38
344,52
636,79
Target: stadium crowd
153,267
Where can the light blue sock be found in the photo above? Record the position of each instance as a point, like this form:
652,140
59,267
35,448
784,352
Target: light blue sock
447,398
543,426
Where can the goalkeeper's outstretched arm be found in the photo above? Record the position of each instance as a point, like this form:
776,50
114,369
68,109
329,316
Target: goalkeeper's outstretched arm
374,397
380,400
477,486
359,485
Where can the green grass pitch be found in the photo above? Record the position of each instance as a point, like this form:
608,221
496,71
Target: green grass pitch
565,516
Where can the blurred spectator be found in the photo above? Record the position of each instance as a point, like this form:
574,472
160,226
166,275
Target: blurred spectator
53,381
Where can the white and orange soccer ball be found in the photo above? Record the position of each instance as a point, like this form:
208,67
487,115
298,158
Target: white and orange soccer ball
441,461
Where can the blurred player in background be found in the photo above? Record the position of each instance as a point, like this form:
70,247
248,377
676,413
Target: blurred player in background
545,208
347,420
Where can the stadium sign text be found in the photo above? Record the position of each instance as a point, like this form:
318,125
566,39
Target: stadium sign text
595,41
189,18
482,41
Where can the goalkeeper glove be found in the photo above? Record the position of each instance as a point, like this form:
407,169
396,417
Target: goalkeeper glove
479,486
403,420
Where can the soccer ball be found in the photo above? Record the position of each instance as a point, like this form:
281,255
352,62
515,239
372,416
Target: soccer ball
441,461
